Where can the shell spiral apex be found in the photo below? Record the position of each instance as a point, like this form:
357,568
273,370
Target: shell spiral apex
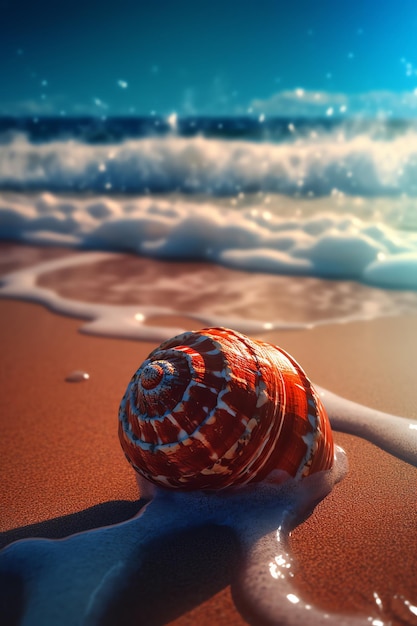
213,408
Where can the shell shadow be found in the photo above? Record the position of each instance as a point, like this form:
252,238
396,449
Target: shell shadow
175,573
104,514
179,572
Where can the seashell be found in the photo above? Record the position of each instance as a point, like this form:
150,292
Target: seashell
212,409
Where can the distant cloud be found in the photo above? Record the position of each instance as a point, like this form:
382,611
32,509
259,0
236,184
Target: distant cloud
303,103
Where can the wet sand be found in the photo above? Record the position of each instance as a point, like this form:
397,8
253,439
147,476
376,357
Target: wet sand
63,471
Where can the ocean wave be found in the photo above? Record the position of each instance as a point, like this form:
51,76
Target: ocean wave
309,167
339,246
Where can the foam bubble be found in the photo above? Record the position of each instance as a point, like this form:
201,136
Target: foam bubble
396,272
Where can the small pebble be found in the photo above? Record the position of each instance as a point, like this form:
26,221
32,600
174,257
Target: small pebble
77,376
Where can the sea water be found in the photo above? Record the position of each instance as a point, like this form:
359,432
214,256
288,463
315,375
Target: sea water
334,199
328,201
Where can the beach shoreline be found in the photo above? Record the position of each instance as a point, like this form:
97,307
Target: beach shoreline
63,471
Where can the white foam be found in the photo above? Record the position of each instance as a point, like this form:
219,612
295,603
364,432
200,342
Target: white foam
104,320
396,435
359,165
397,271
47,569
262,516
135,321
332,245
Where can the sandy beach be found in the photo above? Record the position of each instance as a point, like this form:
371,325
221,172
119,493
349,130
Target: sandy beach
245,168
63,471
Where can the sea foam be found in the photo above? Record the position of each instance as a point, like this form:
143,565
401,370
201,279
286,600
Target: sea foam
331,245
309,166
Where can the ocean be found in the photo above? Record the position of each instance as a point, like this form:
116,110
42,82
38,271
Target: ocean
330,201
146,227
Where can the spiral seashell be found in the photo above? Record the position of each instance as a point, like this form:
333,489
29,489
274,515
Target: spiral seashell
213,408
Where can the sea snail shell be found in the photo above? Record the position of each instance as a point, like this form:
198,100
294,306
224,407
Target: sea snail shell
213,408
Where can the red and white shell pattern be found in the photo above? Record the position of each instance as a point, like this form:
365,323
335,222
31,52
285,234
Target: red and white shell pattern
213,409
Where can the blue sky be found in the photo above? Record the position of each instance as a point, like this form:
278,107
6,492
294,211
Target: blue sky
207,56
